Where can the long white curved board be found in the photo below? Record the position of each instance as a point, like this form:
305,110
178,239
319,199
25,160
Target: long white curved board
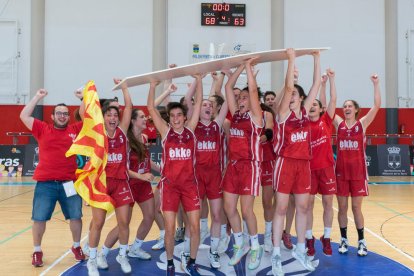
212,65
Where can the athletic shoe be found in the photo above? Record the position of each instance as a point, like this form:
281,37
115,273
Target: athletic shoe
255,258
326,246
37,259
302,257
238,253
223,244
185,257
246,239
203,235
85,248
214,259
343,246
179,234
268,245
138,253
92,267
170,270
310,245
79,256
277,266
192,269
287,240
159,244
124,262
362,248
101,261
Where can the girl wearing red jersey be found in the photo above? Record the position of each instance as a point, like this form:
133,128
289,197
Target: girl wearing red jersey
323,180
292,173
351,171
178,183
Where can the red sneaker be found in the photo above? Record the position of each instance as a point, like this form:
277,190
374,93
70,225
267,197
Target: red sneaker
326,245
287,242
79,256
310,245
37,259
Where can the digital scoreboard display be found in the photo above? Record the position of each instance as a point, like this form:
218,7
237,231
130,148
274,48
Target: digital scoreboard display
223,14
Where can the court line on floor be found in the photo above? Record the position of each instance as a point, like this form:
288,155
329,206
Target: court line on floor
18,184
378,237
69,251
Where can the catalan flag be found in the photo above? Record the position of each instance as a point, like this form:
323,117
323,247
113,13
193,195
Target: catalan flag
92,142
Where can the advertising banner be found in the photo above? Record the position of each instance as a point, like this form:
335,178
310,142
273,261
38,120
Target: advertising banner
11,160
393,160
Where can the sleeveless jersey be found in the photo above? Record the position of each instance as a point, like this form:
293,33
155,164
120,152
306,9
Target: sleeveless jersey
117,165
140,167
178,157
208,149
322,155
293,137
350,149
244,140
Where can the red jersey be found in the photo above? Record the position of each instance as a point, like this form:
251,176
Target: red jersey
208,149
244,140
139,167
151,131
350,150
293,137
322,155
267,146
117,165
53,144
178,157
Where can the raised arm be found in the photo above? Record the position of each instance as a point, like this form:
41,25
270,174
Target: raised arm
189,96
322,90
165,95
332,93
231,82
369,117
222,114
195,117
255,108
284,110
313,92
167,83
127,112
26,113
79,95
159,122
268,129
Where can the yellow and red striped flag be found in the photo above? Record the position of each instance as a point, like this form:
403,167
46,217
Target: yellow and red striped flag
93,143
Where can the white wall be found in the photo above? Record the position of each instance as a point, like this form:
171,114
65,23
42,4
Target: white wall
355,32
98,40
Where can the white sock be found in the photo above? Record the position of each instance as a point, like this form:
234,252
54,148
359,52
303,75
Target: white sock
309,234
214,243
204,224
327,232
238,238
162,233
254,241
37,248
76,244
276,251
186,244
223,230
268,227
137,243
245,229
92,252
105,250
123,249
301,247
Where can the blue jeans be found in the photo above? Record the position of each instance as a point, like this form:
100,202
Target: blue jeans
44,201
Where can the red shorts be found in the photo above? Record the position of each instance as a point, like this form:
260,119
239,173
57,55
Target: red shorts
267,172
120,191
352,187
141,190
242,177
323,181
292,176
209,182
172,194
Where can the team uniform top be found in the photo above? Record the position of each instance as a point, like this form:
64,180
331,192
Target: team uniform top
293,137
350,161
267,146
178,157
53,144
244,140
208,149
117,165
140,167
322,155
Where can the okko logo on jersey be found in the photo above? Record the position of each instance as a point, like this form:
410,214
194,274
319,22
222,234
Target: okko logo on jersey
236,132
115,157
206,145
299,136
394,157
348,145
175,153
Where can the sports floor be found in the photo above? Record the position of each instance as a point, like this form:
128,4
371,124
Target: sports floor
389,225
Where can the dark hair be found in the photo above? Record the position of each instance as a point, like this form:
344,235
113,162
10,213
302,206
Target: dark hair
174,105
103,102
267,108
356,107
259,92
219,99
301,93
106,108
267,93
136,146
60,104
320,105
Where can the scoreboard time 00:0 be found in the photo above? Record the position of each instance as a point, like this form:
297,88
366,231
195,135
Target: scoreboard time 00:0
223,14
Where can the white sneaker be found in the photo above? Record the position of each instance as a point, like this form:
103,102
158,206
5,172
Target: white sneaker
343,246
223,244
204,233
362,248
238,253
85,248
277,266
255,258
92,267
101,261
185,257
124,262
137,252
214,259
159,244
268,245
302,257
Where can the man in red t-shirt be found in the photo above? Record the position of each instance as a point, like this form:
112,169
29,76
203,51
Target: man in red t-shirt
55,174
